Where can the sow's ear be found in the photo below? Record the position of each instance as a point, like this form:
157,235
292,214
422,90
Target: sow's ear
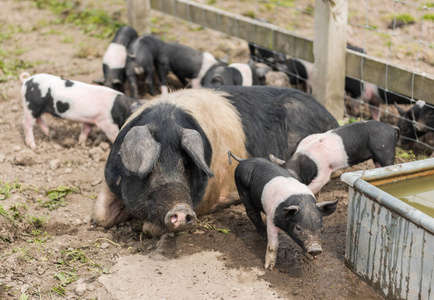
192,143
327,207
139,151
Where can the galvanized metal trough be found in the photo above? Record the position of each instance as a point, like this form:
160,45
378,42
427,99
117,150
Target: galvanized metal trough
389,243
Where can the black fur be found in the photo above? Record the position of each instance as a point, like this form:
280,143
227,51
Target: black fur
277,119
144,53
165,121
183,61
37,104
370,139
121,109
61,106
304,168
68,83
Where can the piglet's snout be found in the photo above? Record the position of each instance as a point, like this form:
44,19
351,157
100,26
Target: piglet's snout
180,217
314,249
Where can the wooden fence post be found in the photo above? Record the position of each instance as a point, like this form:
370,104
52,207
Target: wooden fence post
329,49
138,12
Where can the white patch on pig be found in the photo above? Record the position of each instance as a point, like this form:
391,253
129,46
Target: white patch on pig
208,60
246,73
115,57
278,190
420,103
327,151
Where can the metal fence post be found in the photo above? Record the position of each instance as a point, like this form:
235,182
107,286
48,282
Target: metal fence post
329,50
139,12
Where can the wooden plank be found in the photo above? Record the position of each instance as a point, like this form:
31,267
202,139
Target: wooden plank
138,13
281,40
330,43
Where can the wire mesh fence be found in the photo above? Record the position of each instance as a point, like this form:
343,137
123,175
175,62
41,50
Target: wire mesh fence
398,33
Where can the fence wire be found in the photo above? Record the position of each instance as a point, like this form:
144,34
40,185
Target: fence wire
400,33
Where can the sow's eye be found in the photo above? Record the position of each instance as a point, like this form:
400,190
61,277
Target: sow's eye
297,228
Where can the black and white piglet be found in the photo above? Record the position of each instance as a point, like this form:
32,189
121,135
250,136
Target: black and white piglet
185,63
115,59
290,206
233,74
318,155
72,100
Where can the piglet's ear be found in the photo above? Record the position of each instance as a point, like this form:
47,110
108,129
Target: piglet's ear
291,210
192,143
276,160
139,151
327,207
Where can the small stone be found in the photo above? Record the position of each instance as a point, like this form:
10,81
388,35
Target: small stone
68,171
69,142
105,245
25,157
54,164
16,148
96,153
24,288
15,108
104,146
57,147
2,158
96,182
80,289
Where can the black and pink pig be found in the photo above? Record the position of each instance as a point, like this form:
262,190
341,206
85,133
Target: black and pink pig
115,59
290,205
318,155
72,100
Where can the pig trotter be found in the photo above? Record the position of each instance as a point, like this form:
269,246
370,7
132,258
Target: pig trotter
270,257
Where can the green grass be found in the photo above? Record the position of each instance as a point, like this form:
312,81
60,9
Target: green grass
9,31
57,197
249,14
405,18
429,17
94,22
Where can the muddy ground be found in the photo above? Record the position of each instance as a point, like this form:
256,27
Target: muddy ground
50,250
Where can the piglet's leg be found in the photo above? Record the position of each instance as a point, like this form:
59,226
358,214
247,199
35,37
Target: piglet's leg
252,212
110,129
273,244
44,127
85,130
108,210
28,122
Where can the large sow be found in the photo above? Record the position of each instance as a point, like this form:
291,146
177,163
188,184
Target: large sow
169,161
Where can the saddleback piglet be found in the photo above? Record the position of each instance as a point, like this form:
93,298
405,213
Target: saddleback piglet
72,100
233,74
143,55
290,206
185,63
318,155
115,59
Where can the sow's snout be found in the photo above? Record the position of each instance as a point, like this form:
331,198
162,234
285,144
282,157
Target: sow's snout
314,249
181,217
